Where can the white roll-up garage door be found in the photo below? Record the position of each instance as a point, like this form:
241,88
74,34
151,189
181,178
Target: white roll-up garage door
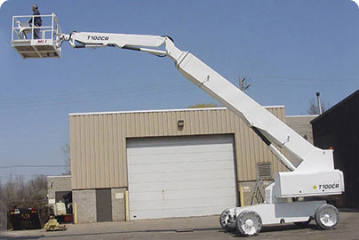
181,176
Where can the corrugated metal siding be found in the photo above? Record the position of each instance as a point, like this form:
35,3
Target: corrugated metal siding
338,128
98,141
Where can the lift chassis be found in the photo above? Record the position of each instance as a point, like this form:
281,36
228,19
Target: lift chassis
311,170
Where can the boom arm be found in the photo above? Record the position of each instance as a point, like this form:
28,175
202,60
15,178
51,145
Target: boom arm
304,156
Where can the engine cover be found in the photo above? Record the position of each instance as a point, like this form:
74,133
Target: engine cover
292,184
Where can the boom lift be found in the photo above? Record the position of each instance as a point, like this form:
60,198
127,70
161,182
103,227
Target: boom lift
311,170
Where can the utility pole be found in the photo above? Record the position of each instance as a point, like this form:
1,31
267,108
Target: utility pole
319,103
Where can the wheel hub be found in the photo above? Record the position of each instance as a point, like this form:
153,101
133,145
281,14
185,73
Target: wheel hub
249,223
326,218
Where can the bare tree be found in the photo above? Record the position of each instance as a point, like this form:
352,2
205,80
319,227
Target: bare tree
313,108
66,152
38,189
17,192
3,215
244,83
10,191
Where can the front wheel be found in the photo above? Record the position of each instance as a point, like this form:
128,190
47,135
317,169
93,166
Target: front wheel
327,217
249,223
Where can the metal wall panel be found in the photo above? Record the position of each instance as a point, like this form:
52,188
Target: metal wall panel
338,128
98,141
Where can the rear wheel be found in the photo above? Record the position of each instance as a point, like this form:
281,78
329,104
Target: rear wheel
226,220
249,223
327,217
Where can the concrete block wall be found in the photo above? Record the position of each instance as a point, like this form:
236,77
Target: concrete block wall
56,184
118,204
302,125
86,205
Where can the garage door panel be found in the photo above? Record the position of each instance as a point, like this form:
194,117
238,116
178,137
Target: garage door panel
191,166
181,176
164,151
178,212
159,158
175,158
183,203
181,141
194,204
187,185
181,194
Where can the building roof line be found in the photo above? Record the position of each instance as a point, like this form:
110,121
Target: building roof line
60,176
160,110
348,98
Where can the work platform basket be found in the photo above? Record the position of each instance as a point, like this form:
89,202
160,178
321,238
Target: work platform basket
28,44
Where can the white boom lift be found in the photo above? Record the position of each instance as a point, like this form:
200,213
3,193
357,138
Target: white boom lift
311,170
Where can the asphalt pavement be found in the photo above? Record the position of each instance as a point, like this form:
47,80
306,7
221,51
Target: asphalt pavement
189,228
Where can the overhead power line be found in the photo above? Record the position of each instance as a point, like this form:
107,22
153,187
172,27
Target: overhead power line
31,166
70,98
31,143
307,79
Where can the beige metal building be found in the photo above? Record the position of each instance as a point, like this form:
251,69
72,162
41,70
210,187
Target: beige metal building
173,163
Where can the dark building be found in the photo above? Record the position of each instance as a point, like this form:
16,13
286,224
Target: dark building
338,128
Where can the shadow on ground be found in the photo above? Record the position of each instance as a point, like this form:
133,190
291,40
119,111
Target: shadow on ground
110,233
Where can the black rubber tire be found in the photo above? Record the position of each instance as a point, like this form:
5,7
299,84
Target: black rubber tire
224,225
327,217
242,223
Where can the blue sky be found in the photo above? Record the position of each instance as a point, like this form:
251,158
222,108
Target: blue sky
288,49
